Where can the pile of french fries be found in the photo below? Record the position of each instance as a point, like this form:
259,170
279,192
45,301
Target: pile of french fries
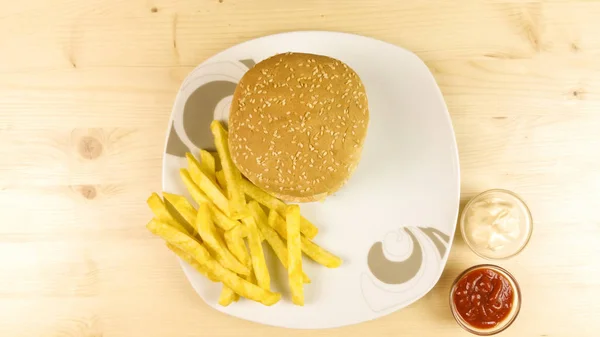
222,238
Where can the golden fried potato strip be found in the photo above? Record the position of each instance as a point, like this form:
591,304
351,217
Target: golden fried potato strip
208,233
221,220
294,254
227,296
161,212
264,198
208,186
311,249
271,236
220,175
232,174
259,265
207,164
192,262
234,240
189,213
202,256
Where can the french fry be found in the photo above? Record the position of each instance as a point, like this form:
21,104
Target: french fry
208,233
235,238
158,207
236,232
189,213
233,176
294,254
259,215
227,296
252,277
306,227
257,212
208,186
262,197
161,212
235,244
220,175
207,163
311,249
190,260
244,233
272,237
319,255
183,206
221,220
220,253
259,265
202,256
277,223
217,161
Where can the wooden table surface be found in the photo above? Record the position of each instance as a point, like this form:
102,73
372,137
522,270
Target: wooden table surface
86,89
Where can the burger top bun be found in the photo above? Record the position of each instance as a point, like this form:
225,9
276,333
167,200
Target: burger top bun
297,125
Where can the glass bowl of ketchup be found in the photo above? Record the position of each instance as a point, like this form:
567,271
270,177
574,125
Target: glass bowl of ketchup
485,299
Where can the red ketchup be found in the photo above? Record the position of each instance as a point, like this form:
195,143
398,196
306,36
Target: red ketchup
483,298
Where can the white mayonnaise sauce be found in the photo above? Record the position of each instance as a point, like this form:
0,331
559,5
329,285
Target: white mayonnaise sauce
496,224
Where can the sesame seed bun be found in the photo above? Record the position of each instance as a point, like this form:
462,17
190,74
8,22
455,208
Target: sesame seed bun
297,125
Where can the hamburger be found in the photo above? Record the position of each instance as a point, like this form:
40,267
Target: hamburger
297,125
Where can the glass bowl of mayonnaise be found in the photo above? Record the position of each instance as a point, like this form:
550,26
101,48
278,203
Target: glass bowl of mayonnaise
496,224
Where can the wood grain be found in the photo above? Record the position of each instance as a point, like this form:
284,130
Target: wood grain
86,88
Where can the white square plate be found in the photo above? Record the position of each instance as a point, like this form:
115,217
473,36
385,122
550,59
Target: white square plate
394,221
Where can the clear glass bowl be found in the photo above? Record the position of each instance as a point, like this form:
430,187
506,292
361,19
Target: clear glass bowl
516,307
525,223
